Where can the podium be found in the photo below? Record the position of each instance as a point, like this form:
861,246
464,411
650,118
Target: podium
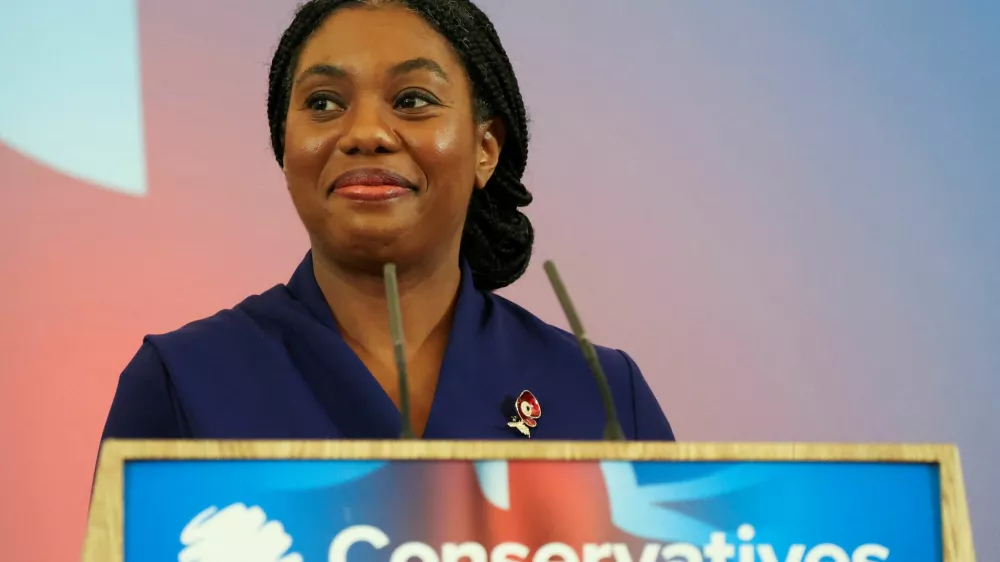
526,501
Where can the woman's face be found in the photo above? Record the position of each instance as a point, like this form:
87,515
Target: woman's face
382,150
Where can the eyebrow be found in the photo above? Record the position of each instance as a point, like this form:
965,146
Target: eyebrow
326,70
419,63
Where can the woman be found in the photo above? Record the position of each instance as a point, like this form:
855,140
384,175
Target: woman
403,138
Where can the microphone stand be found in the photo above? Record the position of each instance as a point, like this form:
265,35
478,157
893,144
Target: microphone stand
612,429
398,347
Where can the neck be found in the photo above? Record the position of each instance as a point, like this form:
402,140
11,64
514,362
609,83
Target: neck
358,302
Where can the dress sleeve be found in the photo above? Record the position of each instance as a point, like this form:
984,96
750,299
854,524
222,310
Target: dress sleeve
650,422
145,404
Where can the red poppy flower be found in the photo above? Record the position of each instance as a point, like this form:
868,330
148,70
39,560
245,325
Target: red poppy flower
528,408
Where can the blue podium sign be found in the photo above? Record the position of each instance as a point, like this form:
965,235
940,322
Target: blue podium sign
526,502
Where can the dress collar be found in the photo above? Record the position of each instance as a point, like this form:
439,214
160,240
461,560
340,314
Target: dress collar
468,308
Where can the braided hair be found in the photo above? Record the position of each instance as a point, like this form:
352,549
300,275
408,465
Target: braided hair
497,237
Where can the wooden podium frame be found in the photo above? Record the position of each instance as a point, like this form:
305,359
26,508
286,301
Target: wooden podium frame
105,528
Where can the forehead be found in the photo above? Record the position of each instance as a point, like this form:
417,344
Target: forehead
365,38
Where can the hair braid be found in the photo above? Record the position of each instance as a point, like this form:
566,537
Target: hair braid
308,18
498,238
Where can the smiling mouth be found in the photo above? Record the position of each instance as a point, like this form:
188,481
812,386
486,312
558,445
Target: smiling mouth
372,185
372,192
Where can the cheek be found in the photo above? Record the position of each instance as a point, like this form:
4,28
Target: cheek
306,155
447,142
314,146
447,156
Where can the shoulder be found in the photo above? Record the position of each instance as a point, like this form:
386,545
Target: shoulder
151,388
144,403
556,341
637,407
222,349
254,319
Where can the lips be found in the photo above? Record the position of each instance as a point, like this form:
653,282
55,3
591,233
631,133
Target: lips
371,177
371,184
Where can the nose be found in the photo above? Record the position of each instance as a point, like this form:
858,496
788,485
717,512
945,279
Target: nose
368,131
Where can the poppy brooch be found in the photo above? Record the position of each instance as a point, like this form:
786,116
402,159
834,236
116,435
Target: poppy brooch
528,411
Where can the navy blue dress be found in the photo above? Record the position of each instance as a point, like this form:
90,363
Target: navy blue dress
275,366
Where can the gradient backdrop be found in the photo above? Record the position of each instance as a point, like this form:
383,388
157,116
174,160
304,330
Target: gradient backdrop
787,212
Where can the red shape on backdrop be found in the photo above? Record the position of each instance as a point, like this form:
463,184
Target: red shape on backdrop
549,501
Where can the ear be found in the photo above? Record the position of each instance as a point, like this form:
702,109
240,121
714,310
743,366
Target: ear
490,135
284,172
284,161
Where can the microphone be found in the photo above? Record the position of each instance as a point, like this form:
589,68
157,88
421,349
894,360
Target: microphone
398,347
612,429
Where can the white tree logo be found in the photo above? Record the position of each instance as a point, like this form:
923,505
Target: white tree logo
237,532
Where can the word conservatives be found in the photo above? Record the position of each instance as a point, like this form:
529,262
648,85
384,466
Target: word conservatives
362,537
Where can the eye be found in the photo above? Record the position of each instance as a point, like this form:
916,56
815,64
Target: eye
414,99
322,103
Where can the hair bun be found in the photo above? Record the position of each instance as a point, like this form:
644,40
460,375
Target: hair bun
496,243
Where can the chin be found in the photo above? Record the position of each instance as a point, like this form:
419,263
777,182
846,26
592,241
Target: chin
381,221
377,243
375,231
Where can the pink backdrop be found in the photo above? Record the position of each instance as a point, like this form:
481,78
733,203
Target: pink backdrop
786,214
